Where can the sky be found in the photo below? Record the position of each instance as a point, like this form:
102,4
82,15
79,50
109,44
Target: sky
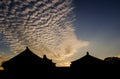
61,29
98,21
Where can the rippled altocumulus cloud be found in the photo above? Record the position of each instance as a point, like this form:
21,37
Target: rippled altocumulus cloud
45,26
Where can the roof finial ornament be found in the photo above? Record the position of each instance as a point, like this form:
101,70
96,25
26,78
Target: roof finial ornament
44,56
87,53
27,47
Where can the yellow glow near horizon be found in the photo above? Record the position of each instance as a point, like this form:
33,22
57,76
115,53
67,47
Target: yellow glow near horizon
64,64
1,68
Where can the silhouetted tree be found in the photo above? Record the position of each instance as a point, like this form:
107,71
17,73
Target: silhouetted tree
112,60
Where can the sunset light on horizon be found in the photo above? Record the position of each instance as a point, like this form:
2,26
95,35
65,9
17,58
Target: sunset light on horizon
63,30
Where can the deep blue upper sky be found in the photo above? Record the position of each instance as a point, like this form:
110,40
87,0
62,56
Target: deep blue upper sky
98,21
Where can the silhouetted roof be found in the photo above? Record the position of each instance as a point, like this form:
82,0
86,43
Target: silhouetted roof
26,59
87,59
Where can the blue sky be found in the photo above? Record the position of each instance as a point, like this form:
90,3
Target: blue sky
98,21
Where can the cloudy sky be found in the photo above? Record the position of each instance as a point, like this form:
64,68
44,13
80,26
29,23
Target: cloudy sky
98,21
61,29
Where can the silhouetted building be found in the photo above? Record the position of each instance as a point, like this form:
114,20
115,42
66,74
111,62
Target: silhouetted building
29,64
87,60
27,59
87,65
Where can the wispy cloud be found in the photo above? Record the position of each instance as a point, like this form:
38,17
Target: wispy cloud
4,58
45,26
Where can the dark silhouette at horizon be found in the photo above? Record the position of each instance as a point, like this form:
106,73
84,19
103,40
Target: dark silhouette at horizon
29,65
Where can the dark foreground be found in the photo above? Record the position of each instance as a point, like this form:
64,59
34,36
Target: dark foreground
27,65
